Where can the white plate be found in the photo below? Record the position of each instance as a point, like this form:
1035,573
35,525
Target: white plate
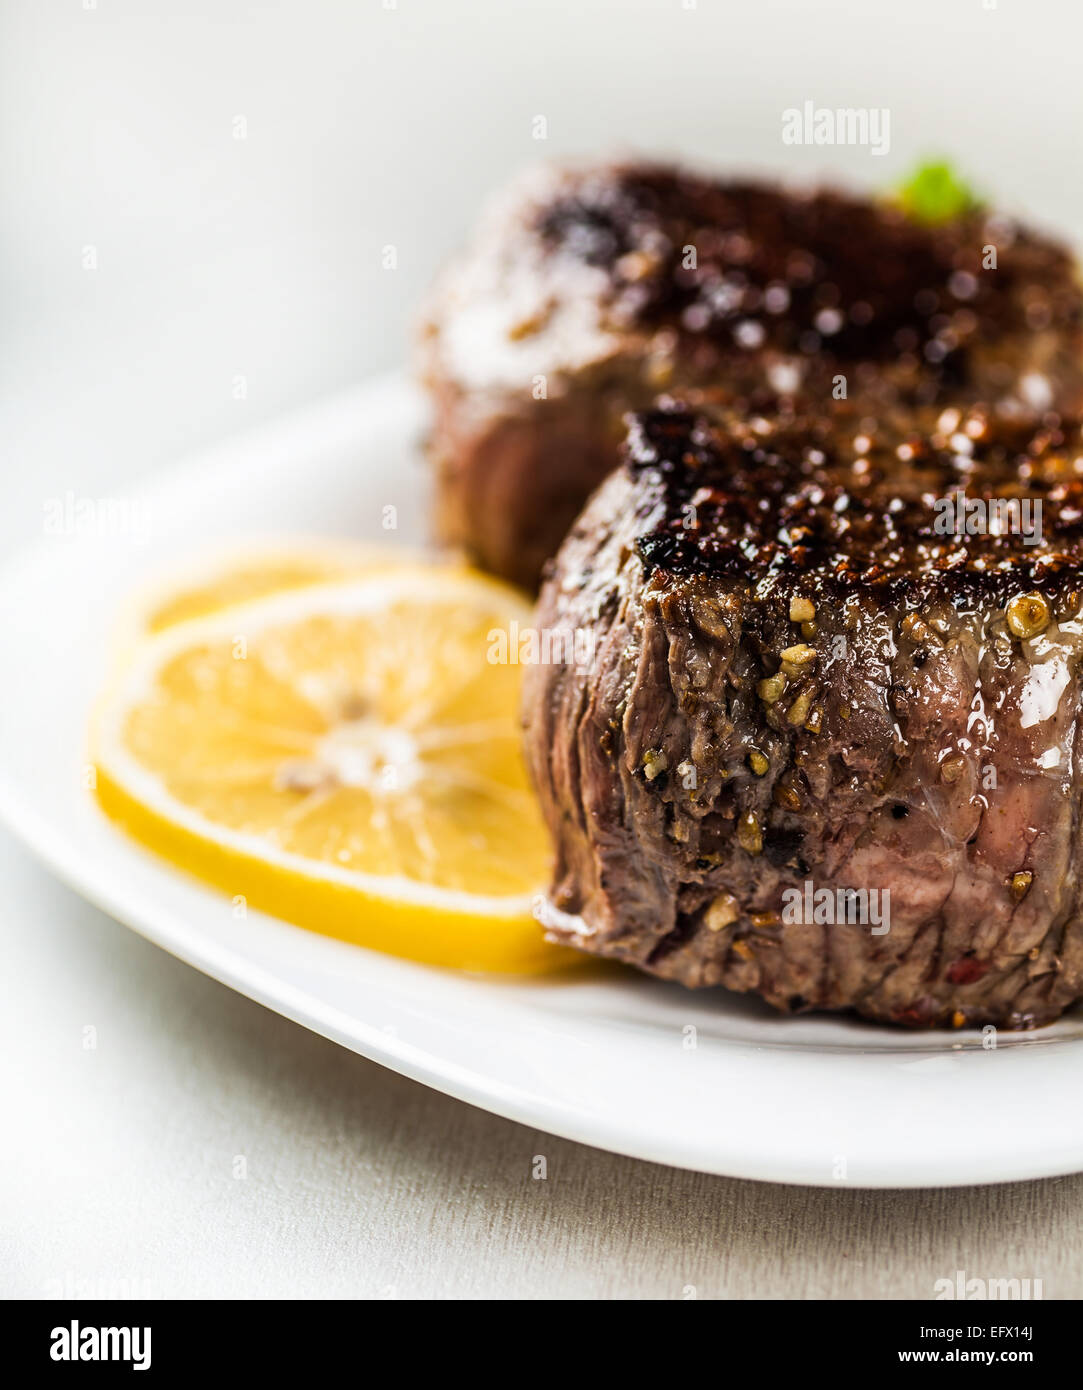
702,1080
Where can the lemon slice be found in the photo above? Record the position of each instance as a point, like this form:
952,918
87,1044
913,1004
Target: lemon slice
261,571
345,756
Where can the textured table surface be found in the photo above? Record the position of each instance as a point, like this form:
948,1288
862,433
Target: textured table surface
206,1147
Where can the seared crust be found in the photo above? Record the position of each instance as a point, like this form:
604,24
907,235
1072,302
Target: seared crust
588,292
920,734
836,505
808,274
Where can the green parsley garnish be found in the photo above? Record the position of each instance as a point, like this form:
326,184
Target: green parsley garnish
934,193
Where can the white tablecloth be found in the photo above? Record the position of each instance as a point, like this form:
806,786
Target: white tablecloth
195,1144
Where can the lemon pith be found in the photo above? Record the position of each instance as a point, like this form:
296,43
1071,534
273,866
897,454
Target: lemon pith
346,757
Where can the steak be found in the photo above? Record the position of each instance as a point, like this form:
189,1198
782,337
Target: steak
825,740
588,292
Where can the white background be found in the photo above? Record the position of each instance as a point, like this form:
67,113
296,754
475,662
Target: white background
218,258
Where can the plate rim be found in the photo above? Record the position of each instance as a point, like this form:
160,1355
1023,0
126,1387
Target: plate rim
160,923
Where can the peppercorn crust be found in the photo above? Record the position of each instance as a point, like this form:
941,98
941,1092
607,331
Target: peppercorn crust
818,508
799,683
589,291
748,266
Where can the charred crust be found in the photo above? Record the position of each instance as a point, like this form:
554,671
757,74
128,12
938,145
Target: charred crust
826,507
747,265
